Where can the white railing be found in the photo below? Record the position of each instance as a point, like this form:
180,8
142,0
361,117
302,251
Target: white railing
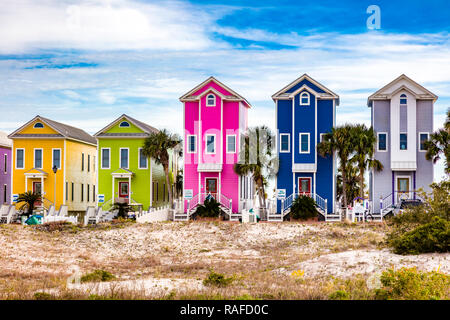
226,202
153,215
321,203
192,203
287,203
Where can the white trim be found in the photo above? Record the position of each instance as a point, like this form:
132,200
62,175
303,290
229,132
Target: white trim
34,126
307,96
396,183
227,136
217,184
300,142
64,177
206,143
321,136
378,142
34,158
60,155
101,158
418,144
289,143
189,143
207,100
399,141
128,158
15,160
121,126
139,160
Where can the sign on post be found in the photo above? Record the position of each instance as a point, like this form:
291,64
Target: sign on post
188,193
281,194
101,198
14,198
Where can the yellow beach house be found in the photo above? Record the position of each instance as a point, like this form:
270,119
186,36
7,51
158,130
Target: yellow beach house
56,160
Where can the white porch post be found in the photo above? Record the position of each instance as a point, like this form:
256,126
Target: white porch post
26,183
42,190
113,184
129,189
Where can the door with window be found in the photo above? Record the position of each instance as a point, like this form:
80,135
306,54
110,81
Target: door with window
124,190
304,186
37,187
403,188
211,186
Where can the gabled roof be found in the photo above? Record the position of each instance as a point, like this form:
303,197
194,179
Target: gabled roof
141,125
63,130
36,171
401,83
4,141
326,94
189,96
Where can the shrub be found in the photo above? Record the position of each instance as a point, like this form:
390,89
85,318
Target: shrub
410,284
210,208
97,276
339,295
217,279
430,237
304,208
43,296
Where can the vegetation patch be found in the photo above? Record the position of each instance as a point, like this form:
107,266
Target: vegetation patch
304,208
217,279
98,276
410,284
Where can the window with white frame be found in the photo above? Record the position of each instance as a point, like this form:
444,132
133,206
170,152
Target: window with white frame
403,141
321,136
38,158
231,143
124,158
143,160
56,158
106,157
423,137
191,144
403,99
304,142
210,100
20,158
304,98
382,141
285,143
210,143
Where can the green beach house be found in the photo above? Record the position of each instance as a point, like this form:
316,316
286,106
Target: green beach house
124,173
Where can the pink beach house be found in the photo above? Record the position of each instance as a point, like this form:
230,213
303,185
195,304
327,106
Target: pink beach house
215,117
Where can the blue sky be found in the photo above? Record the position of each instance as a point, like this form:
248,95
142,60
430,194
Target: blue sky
86,62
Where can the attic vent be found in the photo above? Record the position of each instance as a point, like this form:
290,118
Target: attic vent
38,125
124,124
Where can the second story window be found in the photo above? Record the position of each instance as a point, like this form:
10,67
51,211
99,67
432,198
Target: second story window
124,158
285,142
423,137
105,158
304,143
382,141
56,158
304,99
231,143
142,160
82,162
191,144
20,158
210,100
403,141
403,99
38,158
89,163
5,169
210,143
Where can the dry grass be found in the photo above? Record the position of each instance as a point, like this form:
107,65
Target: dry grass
260,257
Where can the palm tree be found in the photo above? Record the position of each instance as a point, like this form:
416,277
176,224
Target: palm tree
439,143
352,188
157,147
341,141
256,158
365,140
29,198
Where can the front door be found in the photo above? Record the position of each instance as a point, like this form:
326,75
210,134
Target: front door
403,188
304,186
124,189
37,187
211,186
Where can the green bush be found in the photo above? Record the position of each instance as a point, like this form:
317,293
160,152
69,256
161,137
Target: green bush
339,295
304,208
210,208
97,276
43,296
217,279
410,284
430,237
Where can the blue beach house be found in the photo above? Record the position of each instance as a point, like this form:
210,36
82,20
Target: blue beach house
305,110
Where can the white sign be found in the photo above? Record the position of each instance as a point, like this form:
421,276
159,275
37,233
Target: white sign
281,194
188,193
14,198
101,198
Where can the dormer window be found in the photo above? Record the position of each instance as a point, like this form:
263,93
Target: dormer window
403,99
124,124
38,125
304,99
210,100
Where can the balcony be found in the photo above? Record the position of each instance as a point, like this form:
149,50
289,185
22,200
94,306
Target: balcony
209,167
